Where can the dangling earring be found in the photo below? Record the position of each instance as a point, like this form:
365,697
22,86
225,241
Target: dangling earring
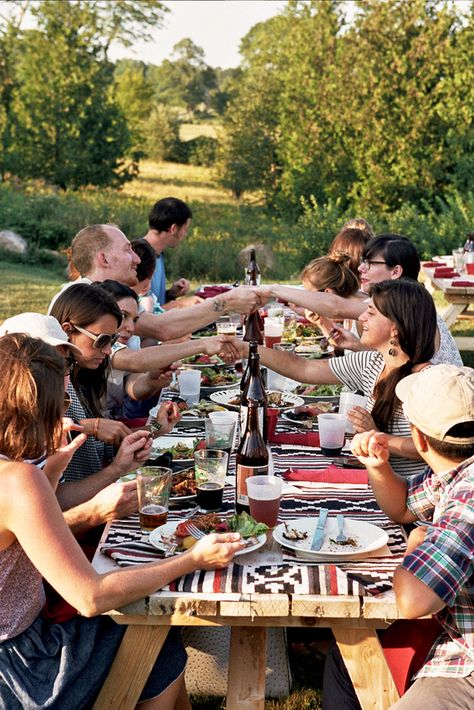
392,351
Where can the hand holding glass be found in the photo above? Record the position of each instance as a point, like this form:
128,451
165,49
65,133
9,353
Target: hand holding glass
347,400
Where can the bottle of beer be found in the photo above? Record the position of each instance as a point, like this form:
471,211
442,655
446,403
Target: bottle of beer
254,389
251,458
252,272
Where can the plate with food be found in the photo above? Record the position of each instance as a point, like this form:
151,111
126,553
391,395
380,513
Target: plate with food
280,400
361,537
198,413
183,485
181,447
314,350
199,362
307,415
298,331
213,380
177,532
316,393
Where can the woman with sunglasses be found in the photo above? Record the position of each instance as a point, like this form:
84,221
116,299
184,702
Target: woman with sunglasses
399,326
387,256
91,319
64,665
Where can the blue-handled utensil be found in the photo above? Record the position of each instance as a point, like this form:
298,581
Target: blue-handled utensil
318,538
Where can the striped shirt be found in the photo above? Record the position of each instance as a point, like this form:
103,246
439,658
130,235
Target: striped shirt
444,562
360,371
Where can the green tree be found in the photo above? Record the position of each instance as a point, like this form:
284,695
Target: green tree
64,123
186,80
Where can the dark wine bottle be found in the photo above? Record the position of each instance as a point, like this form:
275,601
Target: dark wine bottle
253,326
252,272
254,389
251,458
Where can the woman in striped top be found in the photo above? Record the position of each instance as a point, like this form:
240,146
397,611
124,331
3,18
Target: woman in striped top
399,327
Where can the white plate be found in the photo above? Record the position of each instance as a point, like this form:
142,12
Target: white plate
369,537
223,397
209,389
164,443
168,529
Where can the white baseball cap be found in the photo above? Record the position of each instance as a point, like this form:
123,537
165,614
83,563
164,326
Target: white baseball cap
437,398
37,325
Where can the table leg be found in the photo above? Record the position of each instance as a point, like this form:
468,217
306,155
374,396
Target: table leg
452,313
367,667
122,688
247,665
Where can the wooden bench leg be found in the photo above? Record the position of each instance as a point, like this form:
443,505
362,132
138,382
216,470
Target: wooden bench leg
367,667
122,687
247,665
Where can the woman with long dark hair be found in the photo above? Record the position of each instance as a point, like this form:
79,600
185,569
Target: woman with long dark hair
398,328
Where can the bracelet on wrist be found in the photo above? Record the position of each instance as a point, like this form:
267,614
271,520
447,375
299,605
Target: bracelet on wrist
95,430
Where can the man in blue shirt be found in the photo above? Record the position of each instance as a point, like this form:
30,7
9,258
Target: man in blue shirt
168,223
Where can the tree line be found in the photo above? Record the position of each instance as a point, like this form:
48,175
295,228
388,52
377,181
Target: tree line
372,111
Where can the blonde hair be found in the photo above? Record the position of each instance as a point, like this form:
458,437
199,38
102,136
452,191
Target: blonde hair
332,272
31,405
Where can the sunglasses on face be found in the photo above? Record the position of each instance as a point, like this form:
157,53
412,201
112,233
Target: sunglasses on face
101,341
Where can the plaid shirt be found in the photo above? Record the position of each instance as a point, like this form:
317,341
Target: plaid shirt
444,562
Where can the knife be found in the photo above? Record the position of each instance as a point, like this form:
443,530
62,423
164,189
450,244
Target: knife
319,532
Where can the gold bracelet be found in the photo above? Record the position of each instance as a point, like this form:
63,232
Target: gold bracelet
95,430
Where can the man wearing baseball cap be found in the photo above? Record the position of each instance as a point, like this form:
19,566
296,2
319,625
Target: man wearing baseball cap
436,575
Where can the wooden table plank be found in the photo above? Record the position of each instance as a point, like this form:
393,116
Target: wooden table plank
247,664
122,688
367,667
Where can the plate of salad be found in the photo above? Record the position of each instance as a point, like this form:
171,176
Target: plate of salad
315,393
174,531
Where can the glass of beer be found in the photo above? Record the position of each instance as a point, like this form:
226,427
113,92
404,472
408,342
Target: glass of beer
210,467
153,486
332,433
264,494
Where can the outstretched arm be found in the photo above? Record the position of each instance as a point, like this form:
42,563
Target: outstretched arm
325,304
180,321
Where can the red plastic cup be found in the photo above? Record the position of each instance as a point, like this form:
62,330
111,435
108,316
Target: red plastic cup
272,417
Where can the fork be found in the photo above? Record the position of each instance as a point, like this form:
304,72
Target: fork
170,548
340,525
194,531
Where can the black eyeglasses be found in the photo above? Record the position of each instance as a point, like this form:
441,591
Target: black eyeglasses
370,262
101,341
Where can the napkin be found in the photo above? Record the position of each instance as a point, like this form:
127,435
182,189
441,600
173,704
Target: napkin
433,264
304,439
331,474
466,284
446,273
